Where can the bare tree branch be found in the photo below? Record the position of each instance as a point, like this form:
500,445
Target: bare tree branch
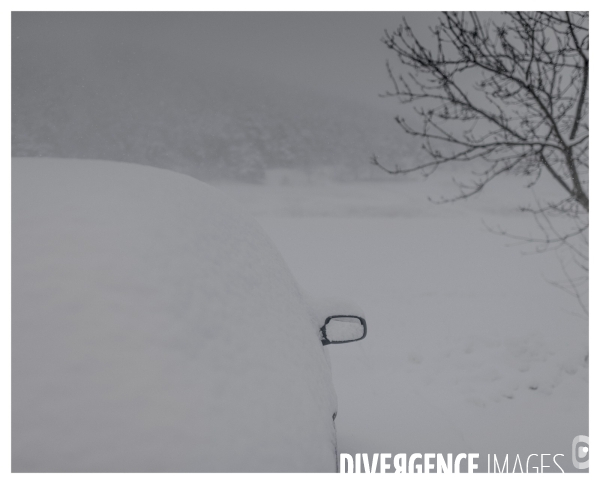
508,93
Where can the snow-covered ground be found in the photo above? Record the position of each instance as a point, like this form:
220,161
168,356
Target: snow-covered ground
469,347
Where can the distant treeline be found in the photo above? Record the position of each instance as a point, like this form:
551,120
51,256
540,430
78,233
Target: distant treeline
146,109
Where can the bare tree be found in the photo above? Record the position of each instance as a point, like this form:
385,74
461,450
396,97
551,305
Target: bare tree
507,93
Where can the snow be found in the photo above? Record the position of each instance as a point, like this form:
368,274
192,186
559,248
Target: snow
469,347
156,328
344,330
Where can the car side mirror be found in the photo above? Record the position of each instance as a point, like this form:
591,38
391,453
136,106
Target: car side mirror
343,329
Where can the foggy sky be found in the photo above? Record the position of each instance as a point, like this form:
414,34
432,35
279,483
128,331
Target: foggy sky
337,53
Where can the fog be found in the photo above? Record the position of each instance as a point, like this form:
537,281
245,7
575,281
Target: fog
472,345
214,95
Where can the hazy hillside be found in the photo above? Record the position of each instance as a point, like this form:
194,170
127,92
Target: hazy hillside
95,100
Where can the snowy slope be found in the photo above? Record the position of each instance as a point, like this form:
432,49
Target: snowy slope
155,328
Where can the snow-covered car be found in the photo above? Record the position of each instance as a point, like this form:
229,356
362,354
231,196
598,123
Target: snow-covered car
156,328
